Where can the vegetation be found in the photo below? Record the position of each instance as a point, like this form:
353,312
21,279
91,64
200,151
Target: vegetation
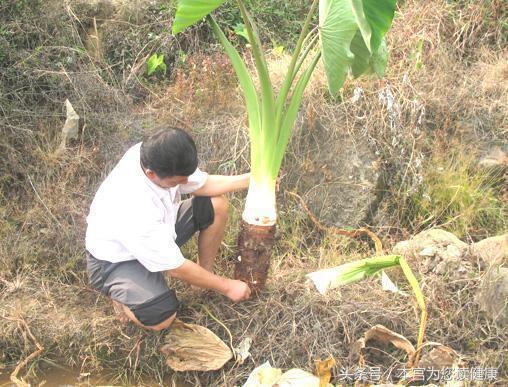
445,85
460,197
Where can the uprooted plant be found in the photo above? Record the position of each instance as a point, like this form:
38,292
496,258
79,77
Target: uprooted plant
355,271
349,39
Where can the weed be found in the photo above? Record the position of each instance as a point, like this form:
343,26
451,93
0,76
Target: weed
458,196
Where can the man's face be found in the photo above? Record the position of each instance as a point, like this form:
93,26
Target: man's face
166,182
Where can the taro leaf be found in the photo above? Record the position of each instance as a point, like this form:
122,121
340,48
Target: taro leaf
379,15
192,347
364,61
363,24
374,18
189,12
340,22
337,29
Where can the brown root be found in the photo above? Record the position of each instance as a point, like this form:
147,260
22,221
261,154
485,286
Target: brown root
255,245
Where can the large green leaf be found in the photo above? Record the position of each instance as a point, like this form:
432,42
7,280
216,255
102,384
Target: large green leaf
364,61
361,19
379,15
337,29
189,12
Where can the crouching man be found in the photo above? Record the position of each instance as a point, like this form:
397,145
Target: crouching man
138,222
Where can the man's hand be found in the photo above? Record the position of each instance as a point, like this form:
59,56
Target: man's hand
237,290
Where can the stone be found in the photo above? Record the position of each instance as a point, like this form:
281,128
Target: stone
492,251
337,174
493,295
495,158
438,251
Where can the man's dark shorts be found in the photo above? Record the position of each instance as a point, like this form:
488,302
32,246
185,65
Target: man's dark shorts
147,293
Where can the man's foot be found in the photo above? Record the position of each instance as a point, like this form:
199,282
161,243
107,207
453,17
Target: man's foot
119,313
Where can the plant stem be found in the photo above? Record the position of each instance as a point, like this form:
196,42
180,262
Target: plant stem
421,303
290,75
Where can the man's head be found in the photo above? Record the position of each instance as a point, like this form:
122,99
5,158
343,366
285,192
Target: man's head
169,157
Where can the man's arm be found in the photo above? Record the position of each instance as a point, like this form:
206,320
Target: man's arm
218,185
195,275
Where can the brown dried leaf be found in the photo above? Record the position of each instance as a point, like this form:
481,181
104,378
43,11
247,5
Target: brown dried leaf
384,335
323,370
191,347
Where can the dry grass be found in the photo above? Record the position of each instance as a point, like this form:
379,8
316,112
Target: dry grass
447,79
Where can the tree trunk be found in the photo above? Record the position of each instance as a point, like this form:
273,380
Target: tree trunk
255,244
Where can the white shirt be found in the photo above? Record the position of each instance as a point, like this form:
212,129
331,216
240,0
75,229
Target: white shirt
133,218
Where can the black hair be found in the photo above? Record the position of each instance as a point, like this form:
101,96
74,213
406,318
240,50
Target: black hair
170,152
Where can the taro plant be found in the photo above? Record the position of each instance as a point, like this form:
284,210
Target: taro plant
351,272
349,38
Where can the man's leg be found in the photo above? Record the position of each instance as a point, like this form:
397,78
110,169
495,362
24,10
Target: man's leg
125,310
210,238
137,294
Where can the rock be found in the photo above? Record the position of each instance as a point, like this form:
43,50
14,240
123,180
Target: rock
495,158
439,358
334,171
493,251
439,251
493,296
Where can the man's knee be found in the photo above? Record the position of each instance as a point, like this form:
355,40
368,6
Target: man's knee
155,327
220,205
163,325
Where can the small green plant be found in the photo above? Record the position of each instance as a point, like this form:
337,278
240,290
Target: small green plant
155,63
459,197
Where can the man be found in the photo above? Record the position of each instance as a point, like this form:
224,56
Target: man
137,223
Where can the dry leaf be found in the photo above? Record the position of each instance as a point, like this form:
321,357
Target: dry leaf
191,347
299,378
384,335
263,376
267,376
323,370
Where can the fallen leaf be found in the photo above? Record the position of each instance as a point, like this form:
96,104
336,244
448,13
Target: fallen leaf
267,376
323,370
384,335
191,347
263,376
299,378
